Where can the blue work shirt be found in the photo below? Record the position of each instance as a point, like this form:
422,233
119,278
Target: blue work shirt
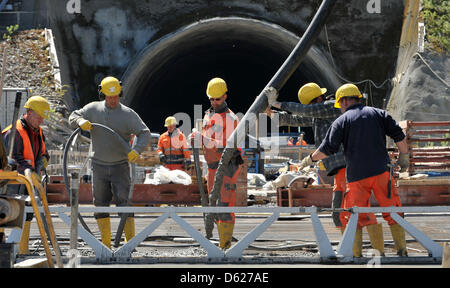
362,131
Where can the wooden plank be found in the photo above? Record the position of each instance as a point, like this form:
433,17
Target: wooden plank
424,182
446,255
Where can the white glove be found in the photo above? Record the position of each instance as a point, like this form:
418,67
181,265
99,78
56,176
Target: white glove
271,94
306,162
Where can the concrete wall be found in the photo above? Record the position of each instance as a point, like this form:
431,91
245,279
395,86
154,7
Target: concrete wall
109,35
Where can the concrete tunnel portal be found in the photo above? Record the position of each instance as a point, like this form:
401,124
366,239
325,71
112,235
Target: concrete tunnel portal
170,75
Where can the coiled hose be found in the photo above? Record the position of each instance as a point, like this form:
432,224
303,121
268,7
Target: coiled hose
66,151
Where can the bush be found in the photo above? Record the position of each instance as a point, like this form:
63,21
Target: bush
436,16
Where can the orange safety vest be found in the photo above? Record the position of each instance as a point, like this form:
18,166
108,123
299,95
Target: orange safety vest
27,148
174,146
217,127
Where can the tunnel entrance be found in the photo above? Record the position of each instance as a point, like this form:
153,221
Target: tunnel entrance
170,75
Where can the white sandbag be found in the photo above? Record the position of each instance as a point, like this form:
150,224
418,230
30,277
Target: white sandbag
163,175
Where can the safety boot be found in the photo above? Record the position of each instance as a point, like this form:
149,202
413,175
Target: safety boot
129,229
104,225
225,234
357,243
376,237
398,234
24,239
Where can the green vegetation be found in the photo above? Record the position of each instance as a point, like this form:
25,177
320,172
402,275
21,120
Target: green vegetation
11,30
436,15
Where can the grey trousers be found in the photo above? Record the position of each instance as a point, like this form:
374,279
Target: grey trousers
110,181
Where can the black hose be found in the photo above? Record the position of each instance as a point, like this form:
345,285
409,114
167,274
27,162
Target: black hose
66,151
277,82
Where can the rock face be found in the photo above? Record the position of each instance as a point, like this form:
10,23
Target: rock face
422,94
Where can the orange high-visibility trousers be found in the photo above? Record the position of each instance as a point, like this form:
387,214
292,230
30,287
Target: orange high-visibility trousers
359,193
227,197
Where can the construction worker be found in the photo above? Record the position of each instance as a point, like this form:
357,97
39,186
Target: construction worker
291,141
317,112
363,130
300,140
29,152
110,160
219,123
173,150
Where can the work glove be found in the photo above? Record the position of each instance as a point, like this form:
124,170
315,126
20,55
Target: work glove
403,161
306,162
271,94
162,158
44,162
133,156
85,125
194,136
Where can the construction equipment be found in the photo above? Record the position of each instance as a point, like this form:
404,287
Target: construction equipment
209,224
277,82
31,181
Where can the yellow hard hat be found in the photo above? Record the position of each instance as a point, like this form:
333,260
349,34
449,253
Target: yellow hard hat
39,105
346,90
216,88
309,92
170,121
110,86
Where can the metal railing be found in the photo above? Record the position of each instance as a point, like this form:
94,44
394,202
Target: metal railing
343,252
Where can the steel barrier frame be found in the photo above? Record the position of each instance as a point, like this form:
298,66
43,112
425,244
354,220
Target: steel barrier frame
343,253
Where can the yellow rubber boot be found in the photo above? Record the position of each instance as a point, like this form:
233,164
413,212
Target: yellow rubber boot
104,225
398,234
24,239
376,237
225,234
357,243
129,229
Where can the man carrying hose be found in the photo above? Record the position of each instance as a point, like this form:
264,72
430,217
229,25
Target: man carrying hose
218,124
110,160
29,151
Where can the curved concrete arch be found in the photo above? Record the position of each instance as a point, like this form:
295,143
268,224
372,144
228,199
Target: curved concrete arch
245,52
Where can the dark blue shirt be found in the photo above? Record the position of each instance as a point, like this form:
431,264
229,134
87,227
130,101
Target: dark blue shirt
362,130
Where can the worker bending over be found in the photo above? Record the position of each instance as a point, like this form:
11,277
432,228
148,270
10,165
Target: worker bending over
362,130
219,123
110,160
29,152
173,150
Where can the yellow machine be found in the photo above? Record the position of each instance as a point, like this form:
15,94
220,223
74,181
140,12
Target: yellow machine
31,181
